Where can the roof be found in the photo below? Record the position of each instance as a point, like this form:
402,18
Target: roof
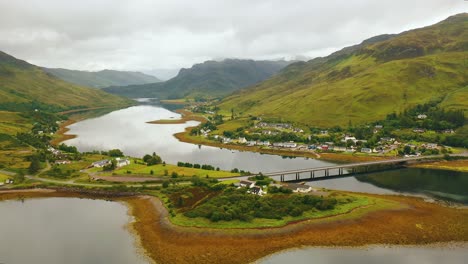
244,182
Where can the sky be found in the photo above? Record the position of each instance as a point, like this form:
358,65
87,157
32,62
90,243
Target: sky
144,35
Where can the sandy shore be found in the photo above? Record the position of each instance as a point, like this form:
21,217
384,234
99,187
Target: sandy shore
415,223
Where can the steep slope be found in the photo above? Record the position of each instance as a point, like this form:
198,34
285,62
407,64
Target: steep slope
22,83
385,74
103,78
208,79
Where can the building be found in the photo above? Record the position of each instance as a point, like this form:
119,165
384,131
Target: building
289,145
298,187
242,140
419,130
251,143
257,190
263,143
422,116
366,150
60,162
122,162
100,164
246,184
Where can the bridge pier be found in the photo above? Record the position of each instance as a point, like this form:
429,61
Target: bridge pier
312,174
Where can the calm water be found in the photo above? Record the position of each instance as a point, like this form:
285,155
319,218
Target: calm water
127,130
65,230
382,255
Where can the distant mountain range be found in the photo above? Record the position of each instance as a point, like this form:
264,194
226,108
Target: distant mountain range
101,79
208,79
22,84
365,82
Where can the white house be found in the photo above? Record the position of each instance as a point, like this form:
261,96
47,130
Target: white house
299,187
246,184
422,116
257,190
289,144
366,150
100,164
242,140
122,162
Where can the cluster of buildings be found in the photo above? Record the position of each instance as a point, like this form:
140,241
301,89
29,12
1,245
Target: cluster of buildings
258,190
120,162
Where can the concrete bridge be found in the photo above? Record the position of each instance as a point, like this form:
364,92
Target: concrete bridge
341,170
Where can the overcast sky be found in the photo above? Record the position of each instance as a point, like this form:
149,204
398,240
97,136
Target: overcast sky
143,35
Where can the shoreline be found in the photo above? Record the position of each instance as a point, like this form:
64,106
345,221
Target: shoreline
419,223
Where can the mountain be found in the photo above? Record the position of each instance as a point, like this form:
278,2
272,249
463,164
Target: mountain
163,74
103,78
208,79
22,83
365,82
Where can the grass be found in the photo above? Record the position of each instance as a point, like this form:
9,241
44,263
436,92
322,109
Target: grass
342,211
159,170
3,177
455,165
23,83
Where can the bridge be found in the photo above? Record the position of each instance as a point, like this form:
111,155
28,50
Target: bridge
340,170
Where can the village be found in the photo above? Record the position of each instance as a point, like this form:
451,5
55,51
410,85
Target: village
268,136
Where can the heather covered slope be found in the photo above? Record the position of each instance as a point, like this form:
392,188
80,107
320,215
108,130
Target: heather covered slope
22,83
209,79
101,79
385,74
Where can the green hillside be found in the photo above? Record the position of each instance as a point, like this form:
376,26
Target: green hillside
22,83
208,79
385,74
103,78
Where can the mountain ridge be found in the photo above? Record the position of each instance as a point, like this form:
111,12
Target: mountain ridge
103,78
365,82
22,84
207,79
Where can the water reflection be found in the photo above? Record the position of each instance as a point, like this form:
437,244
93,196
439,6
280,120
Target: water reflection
383,255
127,130
65,230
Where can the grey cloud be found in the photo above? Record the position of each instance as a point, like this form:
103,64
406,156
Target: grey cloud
143,35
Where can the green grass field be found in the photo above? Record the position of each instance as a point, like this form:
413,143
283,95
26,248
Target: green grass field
159,170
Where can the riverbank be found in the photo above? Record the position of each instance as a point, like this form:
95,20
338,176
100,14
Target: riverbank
454,165
414,222
186,116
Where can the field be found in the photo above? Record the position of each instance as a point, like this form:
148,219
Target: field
160,170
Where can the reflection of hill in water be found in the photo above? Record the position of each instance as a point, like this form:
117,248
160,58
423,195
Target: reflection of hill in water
447,185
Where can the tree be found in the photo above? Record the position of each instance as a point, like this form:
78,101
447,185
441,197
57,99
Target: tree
147,157
35,165
115,153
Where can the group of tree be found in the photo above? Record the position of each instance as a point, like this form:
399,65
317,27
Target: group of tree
152,159
69,149
236,204
196,166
